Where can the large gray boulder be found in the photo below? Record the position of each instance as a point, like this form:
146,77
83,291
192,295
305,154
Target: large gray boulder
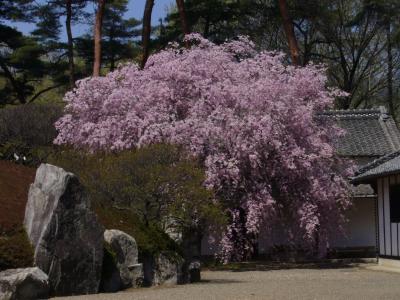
165,268
67,238
122,269
23,284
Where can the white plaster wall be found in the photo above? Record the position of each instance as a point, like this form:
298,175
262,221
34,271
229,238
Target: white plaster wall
360,231
361,228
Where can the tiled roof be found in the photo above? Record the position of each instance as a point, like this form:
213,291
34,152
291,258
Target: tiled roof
386,165
369,132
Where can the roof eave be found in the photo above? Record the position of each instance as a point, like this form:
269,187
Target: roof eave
372,177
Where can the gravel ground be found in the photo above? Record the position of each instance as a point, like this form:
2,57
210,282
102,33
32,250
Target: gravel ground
329,283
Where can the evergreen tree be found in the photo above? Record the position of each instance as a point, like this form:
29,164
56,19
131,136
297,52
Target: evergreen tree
49,27
22,67
217,20
15,10
118,33
118,37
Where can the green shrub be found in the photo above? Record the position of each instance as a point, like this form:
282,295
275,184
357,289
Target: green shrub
143,191
151,239
28,131
15,249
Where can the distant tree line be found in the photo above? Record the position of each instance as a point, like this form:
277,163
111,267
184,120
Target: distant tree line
358,41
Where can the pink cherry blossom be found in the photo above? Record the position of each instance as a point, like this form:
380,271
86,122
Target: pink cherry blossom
246,115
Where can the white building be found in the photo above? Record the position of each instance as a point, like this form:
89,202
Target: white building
384,175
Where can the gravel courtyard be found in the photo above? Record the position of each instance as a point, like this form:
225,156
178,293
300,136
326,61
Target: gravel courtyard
299,283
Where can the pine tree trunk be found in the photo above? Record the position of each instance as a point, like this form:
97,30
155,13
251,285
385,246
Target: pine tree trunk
182,14
70,44
148,9
289,31
97,37
390,69
16,86
112,62
112,47
207,26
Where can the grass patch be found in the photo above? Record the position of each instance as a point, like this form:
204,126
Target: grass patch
15,249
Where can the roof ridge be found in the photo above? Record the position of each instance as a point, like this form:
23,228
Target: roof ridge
385,121
377,112
338,112
377,109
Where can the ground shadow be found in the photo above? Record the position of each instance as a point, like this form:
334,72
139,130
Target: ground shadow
277,265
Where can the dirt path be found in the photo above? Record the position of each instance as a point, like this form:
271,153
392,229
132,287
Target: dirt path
340,283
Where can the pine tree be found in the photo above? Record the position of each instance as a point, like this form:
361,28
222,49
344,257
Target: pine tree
48,26
118,33
22,67
118,37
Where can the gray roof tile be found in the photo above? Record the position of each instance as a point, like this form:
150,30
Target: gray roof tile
369,132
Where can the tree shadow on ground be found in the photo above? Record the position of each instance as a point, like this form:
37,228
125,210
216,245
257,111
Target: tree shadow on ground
276,265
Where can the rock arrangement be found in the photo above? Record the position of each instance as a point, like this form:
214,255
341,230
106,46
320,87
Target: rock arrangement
166,268
21,284
67,238
194,271
125,270
74,254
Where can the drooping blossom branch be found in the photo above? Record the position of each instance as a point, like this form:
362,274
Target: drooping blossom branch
247,116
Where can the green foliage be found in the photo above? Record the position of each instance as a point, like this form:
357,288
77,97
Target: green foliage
346,35
16,10
26,155
156,182
48,26
151,239
28,130
217,20
23,65
118,35
146,191
15,249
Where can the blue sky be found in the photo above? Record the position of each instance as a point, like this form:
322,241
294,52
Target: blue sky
135,10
